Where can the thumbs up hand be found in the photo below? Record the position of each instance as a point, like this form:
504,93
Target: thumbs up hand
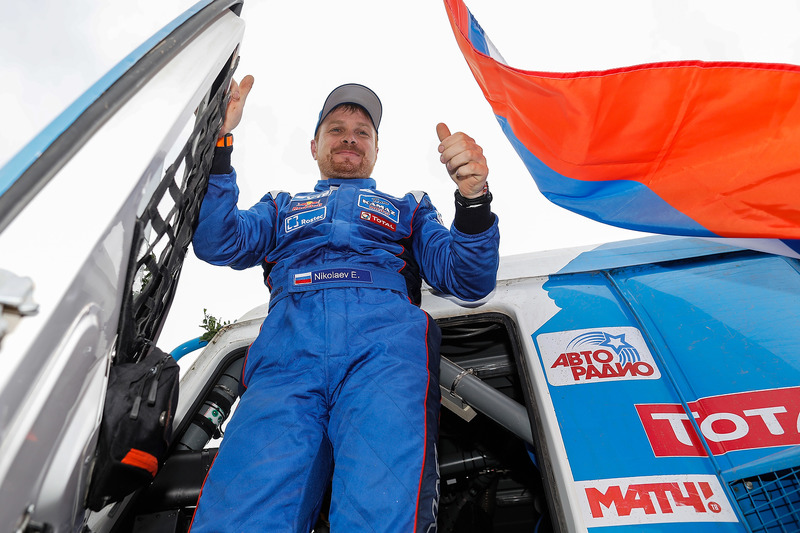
464,161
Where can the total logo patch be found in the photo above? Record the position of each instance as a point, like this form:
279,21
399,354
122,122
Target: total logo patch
372,217
596,355
379,205
654,499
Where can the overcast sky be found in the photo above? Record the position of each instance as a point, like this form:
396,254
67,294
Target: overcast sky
53,50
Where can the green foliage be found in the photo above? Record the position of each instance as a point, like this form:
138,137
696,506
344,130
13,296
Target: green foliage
212,325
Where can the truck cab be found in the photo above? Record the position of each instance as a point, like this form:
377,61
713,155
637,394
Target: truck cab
649,385
643,385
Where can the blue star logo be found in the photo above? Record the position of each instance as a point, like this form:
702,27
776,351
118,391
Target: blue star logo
615,342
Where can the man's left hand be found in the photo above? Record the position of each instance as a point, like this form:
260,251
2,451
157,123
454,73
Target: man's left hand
464,161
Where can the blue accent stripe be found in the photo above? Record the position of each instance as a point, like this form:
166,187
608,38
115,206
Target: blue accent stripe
623,203
20,162
477,36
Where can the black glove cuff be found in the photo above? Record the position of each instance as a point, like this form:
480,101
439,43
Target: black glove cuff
485,198
473,215
221,163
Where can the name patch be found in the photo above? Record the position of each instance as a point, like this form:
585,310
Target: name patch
379,205
329,275
305,218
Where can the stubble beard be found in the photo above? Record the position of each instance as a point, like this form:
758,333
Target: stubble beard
345,169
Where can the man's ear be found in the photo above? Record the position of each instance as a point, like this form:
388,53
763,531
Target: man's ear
314,149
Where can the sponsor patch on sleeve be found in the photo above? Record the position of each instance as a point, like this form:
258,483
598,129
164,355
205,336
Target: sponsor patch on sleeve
596,355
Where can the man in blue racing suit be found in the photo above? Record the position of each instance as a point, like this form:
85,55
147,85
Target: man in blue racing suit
342,380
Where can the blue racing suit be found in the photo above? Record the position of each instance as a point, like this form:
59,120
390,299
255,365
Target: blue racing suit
345,369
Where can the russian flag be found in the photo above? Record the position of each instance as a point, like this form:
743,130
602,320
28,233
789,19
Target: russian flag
697,148
302,279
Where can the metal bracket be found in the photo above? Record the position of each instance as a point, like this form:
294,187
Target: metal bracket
456,403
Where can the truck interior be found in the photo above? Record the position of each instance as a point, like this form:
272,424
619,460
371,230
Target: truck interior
489,477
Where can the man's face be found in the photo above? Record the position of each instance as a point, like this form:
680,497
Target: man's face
346,145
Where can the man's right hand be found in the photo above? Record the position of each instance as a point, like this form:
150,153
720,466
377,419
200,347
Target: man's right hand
238,95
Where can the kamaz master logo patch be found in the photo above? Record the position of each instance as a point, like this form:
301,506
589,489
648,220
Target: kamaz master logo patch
379,205
595,355
305,218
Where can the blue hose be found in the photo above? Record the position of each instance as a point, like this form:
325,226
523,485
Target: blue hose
187,347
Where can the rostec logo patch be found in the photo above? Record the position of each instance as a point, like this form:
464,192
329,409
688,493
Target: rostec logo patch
372,217
596,355
329,275
654,499
379,205
740,421
305,218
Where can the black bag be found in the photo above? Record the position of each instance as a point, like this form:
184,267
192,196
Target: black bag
136,428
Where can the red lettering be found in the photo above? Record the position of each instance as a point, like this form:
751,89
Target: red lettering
642,369
587,355
692,499
636,498
598,500
606,356
561,361
592,372
608,371
577,372
574,359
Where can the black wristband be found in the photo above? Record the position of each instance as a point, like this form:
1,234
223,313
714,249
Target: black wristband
474,215
485,198
221,162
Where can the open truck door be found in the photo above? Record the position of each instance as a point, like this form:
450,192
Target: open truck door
93,288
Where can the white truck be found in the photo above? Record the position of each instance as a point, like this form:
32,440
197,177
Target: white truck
646,385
